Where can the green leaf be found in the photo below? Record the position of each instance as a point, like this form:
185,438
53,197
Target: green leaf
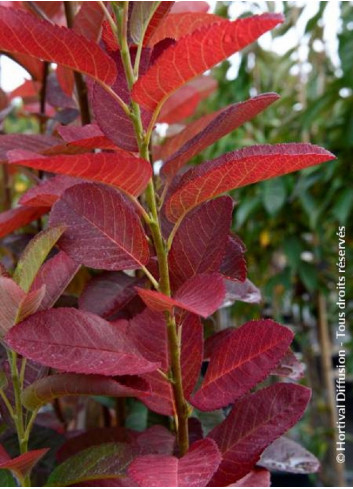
137,417
209,420
106,461
308,275
6,479
293,248
34,255
274,195
343,205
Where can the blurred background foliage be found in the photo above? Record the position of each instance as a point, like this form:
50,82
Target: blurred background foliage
289,224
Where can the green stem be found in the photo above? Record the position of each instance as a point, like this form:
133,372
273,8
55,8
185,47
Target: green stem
143,140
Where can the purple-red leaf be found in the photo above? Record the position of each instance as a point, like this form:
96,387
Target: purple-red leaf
253,424
23,33
210,129
28,142
18,217
201,295
191,352
243,359
233,264
102,228
109,115
55,274
45,390
78,342
194,469
48,191
200,242
240,168
196,53
120,169
107,293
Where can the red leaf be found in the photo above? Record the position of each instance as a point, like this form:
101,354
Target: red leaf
194,469
184,101
71,134
120,169
48,191
107,293
285,455
109,115
156,440
58,385
155,23
90,213
240,168
196,53
233,264
210,129
23,33
256,478
200,242
55,274
201,295
178,25
161,398
19,217
148,331
243,359
23,464
191,352
78,342
254,423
